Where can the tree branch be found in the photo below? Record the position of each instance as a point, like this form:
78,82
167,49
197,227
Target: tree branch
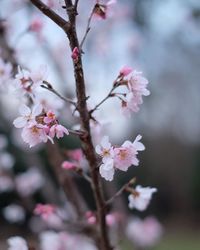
62,23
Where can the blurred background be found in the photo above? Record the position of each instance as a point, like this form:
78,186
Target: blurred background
160,38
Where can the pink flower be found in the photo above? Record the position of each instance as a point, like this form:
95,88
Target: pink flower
69,165
58,131
138,84
141,199
105,150
28,81
34,134
27,115
75,54
50,117
126,155
125,71
144,233
76,154
91,217
111,219
131,103
44,210
36,25
23,81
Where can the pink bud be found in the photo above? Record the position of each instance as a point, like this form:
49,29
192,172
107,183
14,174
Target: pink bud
75,154
36,25
68,165
75,54
125,71
44,210
91,218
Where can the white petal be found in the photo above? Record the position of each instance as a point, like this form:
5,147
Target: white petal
98,150
20,122
37,110
24,110
106,173
105,142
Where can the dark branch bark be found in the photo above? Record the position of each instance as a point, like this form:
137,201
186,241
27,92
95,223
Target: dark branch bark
62,23
87,144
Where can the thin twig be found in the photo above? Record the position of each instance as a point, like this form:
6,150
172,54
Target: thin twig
120,191
104,99
48,86
76,4
87,31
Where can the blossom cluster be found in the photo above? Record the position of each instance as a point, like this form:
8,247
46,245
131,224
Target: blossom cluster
38,126
136,87
120,158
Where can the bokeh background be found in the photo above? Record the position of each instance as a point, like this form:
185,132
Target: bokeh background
160,38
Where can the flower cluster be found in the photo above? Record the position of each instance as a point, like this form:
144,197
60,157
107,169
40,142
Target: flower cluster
136,87
118,157
38,126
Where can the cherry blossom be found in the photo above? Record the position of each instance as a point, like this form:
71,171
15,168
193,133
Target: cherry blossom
28,116
105,150
141,197
17,243
118,157
50,117
58,131
35,133
27,81
107,170
125,71
126,155
91,217
44,210
144,233
76,154
136,87
137,83
69,165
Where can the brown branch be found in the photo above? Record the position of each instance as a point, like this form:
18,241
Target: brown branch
76,4
62,23
87,145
